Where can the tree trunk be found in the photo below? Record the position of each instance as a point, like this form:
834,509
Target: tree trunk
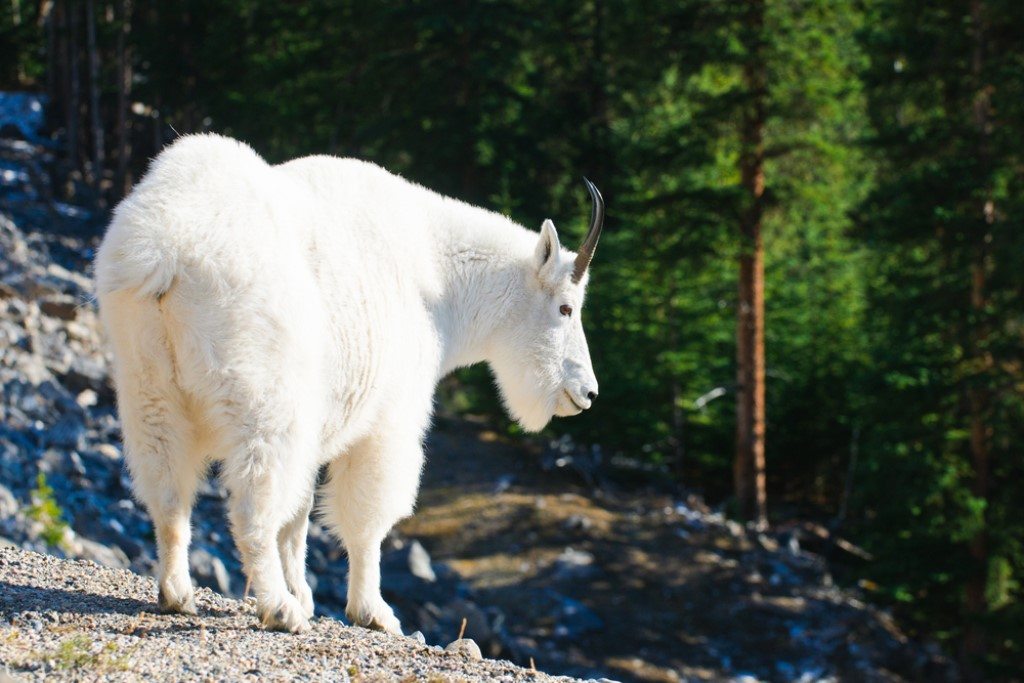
47,18
16,22
465,95
749,463
122,182
74,86
95,120
978,394
599,156
678,438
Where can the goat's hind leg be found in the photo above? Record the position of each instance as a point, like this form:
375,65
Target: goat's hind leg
291,543
158,436
270,486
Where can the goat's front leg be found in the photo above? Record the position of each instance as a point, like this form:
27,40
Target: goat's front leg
372,487
366,606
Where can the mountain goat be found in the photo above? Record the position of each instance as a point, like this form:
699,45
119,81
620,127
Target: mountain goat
280,318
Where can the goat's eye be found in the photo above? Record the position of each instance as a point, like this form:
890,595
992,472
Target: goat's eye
566,310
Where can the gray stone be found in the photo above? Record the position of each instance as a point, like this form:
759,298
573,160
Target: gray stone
577,523
578,558
465,646
478,624
68,432
86,398
84,372
419,563
63,307
208,570
8,503
32,367
108,556
504,483
574,564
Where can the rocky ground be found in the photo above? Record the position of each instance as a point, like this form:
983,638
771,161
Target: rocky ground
517,538
644,586
75,620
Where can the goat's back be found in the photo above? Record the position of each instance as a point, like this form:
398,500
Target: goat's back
263,272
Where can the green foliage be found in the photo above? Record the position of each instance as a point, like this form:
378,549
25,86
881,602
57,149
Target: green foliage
945,315
45,510
21,44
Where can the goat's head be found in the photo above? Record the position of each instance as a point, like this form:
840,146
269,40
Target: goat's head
543,368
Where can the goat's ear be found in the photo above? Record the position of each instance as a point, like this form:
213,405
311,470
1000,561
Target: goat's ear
548,249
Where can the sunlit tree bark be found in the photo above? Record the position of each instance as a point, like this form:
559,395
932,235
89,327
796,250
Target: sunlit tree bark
749,462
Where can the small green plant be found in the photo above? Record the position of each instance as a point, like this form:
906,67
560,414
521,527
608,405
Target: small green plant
73,653
45,510
76,653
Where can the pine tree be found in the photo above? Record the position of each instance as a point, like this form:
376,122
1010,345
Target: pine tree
945,83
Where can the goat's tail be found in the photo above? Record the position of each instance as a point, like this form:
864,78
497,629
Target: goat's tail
135,257
159,226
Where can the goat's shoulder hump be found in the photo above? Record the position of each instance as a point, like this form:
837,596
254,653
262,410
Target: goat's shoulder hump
364,179
325,164
203,148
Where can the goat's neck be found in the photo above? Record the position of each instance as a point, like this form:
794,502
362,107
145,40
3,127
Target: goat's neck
482,283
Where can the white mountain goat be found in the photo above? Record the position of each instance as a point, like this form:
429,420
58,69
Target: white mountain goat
279,318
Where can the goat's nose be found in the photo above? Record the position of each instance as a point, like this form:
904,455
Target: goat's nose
592,395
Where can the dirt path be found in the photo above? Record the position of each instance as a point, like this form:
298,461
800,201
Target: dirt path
642,587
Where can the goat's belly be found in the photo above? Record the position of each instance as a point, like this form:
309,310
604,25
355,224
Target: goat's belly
355,385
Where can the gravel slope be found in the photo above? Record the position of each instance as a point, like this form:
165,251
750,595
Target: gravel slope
75,620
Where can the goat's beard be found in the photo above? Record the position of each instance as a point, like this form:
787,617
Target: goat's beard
532,407
535,419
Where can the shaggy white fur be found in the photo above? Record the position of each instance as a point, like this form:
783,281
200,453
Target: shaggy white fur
278,318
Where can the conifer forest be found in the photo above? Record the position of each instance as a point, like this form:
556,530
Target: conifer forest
808,300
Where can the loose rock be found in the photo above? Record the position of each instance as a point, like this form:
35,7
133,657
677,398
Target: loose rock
465,646
419,562
74,620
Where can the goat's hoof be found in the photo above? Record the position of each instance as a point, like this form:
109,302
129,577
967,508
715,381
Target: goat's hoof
380,617
288,615
180,601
